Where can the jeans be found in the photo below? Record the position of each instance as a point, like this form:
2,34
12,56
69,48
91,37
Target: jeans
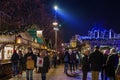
29,74
103,75
15,69
66,67
72,64
43,76
111,78
84,77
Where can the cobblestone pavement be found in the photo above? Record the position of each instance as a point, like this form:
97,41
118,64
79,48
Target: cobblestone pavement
55,74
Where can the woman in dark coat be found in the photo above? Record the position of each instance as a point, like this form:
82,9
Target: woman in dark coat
85,64
105,55
111,64
46,65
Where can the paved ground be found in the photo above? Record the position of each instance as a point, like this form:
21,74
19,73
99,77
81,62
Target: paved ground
56,74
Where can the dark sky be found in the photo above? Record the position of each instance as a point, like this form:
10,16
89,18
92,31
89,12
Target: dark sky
86,13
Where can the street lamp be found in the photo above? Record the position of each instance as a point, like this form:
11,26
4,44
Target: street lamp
56,8
55,24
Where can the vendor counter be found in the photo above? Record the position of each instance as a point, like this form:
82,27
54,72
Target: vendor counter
5,69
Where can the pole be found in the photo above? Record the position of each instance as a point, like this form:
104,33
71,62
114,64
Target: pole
56,40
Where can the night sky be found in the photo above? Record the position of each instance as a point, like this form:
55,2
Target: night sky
79,16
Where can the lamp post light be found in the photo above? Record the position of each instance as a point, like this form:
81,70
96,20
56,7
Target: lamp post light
55,24
56,8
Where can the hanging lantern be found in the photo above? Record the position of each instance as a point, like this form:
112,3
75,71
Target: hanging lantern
19,39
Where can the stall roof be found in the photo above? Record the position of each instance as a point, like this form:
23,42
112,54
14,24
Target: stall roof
26,35
7,39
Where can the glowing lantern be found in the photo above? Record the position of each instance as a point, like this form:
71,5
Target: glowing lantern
19,39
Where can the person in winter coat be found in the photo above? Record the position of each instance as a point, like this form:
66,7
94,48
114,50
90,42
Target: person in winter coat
46,65
103,73
111,64
77,59
66,61
85,64
96,62
71,61
30,63
15,60
20,62
55,60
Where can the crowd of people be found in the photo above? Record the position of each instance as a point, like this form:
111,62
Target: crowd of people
98,61
30,62
71,58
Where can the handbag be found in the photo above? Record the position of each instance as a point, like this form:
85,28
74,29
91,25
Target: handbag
39,62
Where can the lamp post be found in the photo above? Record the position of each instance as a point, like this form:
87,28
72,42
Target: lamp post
55,24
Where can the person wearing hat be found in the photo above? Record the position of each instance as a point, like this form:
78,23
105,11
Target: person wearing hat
96,62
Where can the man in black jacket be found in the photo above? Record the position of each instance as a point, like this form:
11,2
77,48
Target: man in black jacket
15,60
96,62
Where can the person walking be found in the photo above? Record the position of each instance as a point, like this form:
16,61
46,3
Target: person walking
96,62
111,64
71,61
20,61
45,65
66,61
15,60
77,59
85,64
30,61
55,59
103,73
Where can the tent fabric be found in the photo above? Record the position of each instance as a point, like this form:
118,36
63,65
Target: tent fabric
39,40
32,32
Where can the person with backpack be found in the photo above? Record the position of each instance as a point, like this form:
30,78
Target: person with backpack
30,61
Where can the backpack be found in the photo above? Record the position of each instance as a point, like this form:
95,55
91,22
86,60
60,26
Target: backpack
30,64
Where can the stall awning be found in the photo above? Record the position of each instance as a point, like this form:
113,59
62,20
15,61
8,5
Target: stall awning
32,32
39,40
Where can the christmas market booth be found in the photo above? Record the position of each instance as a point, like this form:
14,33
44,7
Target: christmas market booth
8,43
6,49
